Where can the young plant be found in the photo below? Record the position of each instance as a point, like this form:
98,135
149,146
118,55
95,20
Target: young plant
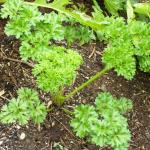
56,70
24,108
104,123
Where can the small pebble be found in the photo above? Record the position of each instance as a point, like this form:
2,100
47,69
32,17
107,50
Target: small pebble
18,127
22,136
53,124
1,142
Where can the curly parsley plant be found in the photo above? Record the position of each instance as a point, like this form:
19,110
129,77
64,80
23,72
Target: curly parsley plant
37,30
56,70
104,123
24,108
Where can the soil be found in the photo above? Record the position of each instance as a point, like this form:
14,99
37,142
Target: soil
56,130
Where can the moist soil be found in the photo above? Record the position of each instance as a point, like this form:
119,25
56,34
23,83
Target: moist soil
55,133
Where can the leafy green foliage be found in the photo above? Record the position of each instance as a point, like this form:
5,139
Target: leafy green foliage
125,43
57,69
114,6
142,8
144,63
34,44
105,102
119,54
120,57
78,33
80,17
97,12
80,124
28,24
104,124
140,32
23,18
10,9
24,108
116,28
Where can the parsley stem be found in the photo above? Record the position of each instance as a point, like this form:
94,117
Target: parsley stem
83,85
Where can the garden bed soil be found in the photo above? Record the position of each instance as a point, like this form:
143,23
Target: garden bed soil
56,130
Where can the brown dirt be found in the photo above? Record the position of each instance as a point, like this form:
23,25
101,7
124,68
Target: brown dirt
56,127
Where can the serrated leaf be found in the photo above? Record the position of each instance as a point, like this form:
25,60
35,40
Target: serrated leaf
142,8
113,6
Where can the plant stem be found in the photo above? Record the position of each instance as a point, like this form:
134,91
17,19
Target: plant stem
19,61
70,113
58,97
83,85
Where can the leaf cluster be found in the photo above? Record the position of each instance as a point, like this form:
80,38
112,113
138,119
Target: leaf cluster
104,123
22,17
144,63
119,53
125,43
140,32
78,34
114,6
36,30
57,69
24,108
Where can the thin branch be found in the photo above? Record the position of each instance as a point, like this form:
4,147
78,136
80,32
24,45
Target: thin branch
19,61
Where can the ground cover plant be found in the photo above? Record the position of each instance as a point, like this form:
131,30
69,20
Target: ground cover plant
55,67
24,108
105,125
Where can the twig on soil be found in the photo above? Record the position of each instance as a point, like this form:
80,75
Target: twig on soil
93,51
19,61
70,113
10,94
99,53
1,95
4,98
